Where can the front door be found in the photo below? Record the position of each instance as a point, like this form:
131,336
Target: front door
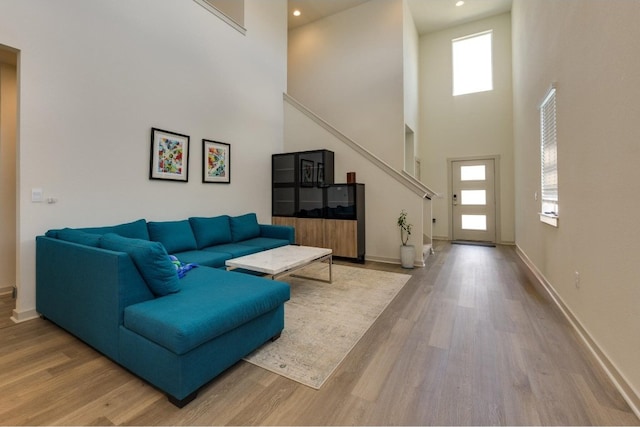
473,200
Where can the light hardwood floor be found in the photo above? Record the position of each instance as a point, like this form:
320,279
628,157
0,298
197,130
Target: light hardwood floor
468,341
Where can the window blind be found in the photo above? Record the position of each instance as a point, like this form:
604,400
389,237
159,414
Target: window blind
549,154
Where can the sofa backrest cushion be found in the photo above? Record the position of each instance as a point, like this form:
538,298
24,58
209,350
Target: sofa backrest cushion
135,230
150,258
80,237
176,236
211,231
244,227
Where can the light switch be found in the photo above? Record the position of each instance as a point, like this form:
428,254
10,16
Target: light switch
36,195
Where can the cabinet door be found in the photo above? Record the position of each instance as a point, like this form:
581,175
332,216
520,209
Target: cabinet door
310,232
283,169
283,201
283,220
342,237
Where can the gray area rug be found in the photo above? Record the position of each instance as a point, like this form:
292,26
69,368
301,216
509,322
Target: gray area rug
323,321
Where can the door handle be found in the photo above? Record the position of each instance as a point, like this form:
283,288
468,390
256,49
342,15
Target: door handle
455,200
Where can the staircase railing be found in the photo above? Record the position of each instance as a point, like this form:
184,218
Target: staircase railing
404,178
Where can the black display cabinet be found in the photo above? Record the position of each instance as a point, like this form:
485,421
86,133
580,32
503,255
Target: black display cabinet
298,182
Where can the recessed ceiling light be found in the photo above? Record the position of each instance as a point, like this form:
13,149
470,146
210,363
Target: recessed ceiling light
296,12
459,3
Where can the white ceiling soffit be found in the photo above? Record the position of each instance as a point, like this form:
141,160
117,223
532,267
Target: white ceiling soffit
312,10
435,15
428,15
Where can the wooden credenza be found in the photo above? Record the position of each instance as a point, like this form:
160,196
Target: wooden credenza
324,214
339,235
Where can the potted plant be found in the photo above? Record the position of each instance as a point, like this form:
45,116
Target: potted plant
407,252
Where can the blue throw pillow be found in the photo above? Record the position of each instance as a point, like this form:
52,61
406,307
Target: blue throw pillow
211,231
80,237
244,227
176,236
150,258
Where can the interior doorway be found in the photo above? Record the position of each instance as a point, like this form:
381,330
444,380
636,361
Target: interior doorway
8,169
473,201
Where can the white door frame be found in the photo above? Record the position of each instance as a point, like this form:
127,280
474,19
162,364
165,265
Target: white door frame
496,162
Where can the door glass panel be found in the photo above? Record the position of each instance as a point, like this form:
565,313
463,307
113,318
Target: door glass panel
474,222
472,173
473,197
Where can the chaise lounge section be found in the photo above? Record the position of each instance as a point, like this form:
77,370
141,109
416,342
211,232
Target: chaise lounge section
117,289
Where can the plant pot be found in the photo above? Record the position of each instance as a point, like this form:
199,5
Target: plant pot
407,256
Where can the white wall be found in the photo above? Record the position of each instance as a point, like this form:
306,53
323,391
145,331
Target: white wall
8,120
348,69
464,126
96,76
590,48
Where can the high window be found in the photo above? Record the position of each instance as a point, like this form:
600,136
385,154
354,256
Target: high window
549,159
472,63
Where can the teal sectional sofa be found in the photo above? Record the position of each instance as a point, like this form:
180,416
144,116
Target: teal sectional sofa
177,321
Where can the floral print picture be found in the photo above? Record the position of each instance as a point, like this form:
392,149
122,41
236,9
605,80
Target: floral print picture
216,162
169,155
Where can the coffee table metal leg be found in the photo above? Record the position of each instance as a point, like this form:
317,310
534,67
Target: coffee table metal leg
291,272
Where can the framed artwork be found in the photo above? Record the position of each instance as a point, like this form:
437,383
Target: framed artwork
216,165
320,176
169,156
306,173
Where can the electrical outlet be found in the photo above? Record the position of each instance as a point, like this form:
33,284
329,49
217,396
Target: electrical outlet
576,279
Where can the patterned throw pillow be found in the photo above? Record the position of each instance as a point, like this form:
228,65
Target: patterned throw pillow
181,267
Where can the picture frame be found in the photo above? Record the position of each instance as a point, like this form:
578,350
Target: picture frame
216,162
306,173
169,159
320,175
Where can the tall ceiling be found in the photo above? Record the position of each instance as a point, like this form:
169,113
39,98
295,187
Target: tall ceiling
428,15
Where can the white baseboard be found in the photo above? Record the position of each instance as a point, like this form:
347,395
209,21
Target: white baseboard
23,316
619,381
386,260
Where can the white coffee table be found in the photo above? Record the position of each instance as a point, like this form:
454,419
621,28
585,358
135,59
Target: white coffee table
282,261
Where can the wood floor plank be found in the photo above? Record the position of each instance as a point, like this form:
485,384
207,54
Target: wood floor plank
374,375
469,340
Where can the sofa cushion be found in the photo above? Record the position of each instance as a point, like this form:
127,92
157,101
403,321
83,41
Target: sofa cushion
205,258
234,250
80,237
264,243
211,231
211,303
244,227
150,258
175,236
